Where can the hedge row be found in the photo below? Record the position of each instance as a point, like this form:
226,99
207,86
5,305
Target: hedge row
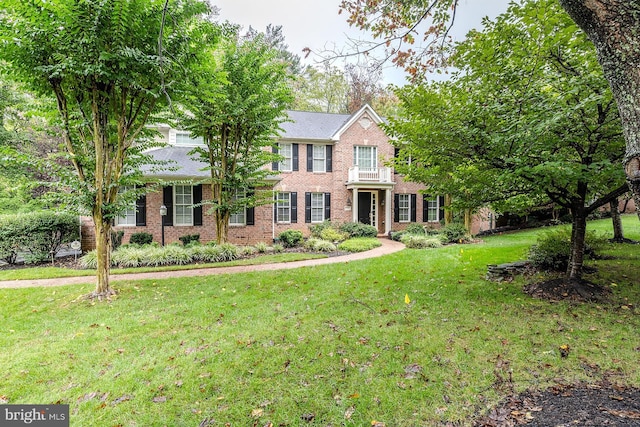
36,236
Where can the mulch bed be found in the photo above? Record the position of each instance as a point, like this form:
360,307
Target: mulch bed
564,405
561,289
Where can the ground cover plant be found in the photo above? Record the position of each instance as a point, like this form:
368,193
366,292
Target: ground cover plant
416,338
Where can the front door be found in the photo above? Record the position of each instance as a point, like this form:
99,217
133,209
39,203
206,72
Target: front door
368,208
364,207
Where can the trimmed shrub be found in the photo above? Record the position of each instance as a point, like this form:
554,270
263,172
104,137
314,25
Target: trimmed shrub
189,238
290,238
141,238
357,229
397,235
40,235
317,229
455,233
553,249
319,245
333,235
416,229
420,242
359,244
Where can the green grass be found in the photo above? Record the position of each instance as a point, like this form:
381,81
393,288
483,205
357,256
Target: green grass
58,272
336,341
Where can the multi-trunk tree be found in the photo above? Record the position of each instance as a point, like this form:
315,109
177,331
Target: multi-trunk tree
236,102
109,66
528,119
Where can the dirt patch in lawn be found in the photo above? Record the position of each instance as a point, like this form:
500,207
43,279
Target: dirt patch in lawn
561,289
603,404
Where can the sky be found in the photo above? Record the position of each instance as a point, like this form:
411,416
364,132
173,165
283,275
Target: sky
317,25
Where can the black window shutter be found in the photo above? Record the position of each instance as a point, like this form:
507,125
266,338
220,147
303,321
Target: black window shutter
327,206
275,208
274,165
425,207
251,212
167,200
309,158
413,207
197,199
294,207
329,158
396,208
141,211
295,157
441,205
307,207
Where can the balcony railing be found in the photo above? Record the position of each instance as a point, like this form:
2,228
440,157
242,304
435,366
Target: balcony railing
373,175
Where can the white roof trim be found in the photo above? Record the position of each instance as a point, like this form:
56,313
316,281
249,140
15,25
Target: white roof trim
355,117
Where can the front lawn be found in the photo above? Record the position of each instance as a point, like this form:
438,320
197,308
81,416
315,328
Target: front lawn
411,339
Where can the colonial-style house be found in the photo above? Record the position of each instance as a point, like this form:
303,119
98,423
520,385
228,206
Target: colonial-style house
334,168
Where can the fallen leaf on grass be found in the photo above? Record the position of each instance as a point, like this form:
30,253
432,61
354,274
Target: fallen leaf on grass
349,412
121,399
4,399
256,413
159,399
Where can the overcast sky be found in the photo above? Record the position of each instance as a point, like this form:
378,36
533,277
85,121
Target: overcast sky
317,25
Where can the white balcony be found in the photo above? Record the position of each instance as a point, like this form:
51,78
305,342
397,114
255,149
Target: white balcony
370,175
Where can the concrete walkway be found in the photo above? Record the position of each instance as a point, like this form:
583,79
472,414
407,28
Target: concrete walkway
388,246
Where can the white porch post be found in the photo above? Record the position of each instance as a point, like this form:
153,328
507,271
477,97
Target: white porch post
387,211
354,211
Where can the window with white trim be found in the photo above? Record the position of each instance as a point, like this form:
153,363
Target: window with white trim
319,158
183,204
433,210
317,207
365,157
128,216
404,207
286,151
184,138
283,207
240,217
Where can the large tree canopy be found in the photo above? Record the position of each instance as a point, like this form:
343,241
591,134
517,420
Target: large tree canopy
527,119
109,66
414,33
236,101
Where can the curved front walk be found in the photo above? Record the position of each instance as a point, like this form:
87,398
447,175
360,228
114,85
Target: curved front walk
388,246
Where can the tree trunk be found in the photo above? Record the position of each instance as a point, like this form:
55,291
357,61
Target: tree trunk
618,235
103,252
578,237
613,27
448,213
468,217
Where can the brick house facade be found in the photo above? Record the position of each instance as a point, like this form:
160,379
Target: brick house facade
335,168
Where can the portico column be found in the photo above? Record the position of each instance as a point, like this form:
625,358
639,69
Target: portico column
354,212
387,211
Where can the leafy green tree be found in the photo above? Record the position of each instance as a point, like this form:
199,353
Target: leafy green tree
528,119
236,100
612,26
323,89
109,66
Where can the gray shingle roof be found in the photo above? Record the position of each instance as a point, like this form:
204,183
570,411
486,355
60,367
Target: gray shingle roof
178,157
313,125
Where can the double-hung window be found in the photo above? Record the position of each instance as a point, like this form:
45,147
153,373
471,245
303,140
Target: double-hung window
239,217
183,205
317,207
286,151
283,209
319,158
404,207
365,157
128,216
433,209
